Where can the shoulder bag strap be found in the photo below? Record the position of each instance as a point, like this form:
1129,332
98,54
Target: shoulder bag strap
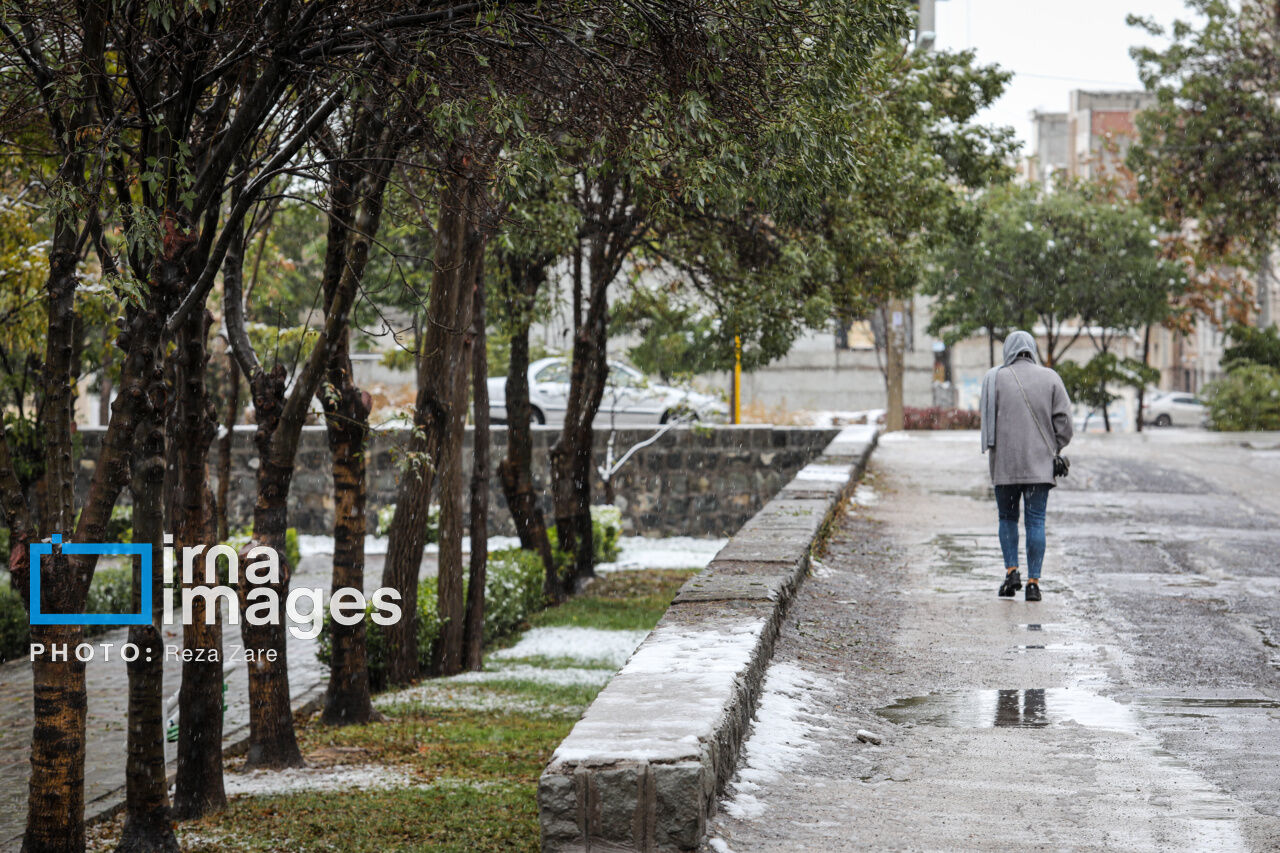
1032,411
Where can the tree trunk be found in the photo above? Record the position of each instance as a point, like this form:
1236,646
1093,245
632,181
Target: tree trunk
1142,389
226,442
437,359
198,788
148,825
473,633
571,455
346,409
272,740
280,418
104,389
348,699
895,363
516,470
450,604
55,803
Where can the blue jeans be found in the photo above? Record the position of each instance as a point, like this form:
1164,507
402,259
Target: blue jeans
1036,497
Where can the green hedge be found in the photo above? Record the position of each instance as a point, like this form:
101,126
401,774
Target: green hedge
512,593
1247,398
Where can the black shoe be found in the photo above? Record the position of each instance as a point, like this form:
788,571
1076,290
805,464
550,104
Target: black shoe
1033,591
1012,583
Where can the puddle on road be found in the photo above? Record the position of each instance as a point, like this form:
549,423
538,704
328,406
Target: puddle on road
1032,708
1037,708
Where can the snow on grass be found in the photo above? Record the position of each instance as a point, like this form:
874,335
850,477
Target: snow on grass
781,736
468,697
588,645
361,777
671,552
311,545
538,674
496,543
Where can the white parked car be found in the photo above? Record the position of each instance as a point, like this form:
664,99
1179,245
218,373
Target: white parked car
630,398
1175,408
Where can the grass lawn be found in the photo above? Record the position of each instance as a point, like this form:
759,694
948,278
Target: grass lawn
455,765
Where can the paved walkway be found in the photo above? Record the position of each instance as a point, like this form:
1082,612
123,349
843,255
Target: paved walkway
1136,708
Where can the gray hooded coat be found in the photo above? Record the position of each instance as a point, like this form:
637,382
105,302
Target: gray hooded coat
1019,454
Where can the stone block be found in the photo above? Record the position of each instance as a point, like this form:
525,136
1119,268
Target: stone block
682,808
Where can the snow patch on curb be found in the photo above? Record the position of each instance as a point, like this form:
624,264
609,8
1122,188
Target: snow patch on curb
781,736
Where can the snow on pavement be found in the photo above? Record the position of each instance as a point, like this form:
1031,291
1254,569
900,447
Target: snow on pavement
781,735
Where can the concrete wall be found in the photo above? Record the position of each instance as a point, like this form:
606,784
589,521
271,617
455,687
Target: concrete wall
692,481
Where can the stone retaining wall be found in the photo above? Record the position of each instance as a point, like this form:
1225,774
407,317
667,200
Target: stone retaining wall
643,767
693,481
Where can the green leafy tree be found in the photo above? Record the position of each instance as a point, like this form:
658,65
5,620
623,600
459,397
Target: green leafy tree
1091,384
1075,262
1206,149
1252,346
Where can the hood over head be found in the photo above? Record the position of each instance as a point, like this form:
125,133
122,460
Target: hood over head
1016,344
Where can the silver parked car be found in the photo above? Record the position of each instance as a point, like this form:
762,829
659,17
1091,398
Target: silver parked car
1174,408
630,397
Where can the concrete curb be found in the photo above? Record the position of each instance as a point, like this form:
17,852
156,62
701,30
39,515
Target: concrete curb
641,770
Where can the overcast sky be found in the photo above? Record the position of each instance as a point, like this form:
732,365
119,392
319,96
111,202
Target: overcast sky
1053,47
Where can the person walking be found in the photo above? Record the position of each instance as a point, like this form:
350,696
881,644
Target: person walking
1026,421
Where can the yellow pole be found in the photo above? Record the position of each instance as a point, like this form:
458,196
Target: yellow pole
737,379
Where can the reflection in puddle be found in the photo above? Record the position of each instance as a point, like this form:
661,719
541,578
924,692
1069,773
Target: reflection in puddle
1033,708
1050,647
1036,708
1020,709
1034,626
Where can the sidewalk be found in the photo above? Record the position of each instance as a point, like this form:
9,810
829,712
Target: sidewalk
1135,708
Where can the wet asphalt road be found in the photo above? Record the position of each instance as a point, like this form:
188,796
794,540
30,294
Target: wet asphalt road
1137,708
